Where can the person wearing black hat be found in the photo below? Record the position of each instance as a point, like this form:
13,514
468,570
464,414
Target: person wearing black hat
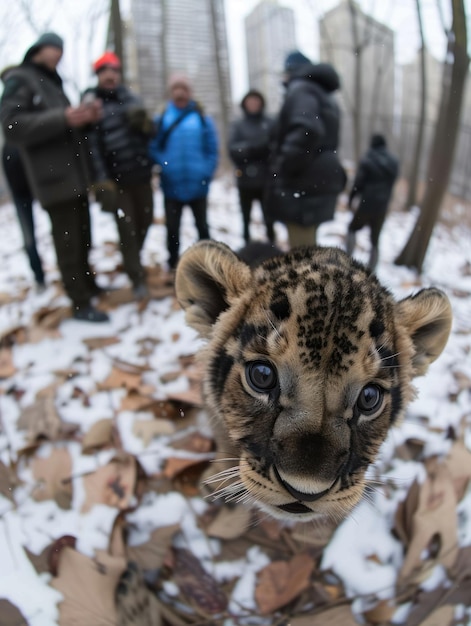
121,164
370,194
249,149
307,175
37,116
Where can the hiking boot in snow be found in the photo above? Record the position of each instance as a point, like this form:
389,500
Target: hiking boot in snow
88,313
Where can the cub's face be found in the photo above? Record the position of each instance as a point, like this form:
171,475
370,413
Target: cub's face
309,362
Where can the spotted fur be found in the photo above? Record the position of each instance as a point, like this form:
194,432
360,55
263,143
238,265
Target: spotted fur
309,360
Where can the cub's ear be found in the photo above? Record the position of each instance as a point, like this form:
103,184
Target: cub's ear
209,279
427,317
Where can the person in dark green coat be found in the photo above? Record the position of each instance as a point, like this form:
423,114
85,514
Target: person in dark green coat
37,116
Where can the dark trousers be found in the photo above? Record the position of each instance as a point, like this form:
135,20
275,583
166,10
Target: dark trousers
70,222
173,215
374,220
246,199
23,200
133,219
24,211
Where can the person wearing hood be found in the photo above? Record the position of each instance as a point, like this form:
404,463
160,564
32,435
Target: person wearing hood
370,194
249,149
121,165
307,175
37,116
185,147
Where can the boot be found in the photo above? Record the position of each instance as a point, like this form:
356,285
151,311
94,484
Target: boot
88,313
350,242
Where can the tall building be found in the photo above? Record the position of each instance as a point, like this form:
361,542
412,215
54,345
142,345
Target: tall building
166,36
341,33
270,36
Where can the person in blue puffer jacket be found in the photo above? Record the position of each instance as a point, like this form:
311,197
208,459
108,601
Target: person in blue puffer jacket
185,147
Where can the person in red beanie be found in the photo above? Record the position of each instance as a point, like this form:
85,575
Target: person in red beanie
121,164
37,116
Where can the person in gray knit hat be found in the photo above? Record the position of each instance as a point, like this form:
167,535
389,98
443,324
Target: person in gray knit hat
37,116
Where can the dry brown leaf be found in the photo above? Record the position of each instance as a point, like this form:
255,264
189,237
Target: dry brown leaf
148,429
7,481
435,517
230,522
191,397
440,617
52,474
166,410
41,419
121,379
50,317
100,434
405,512
135,401
151,554
381,613
113,484
10,614
88,586
339,616
175,466
197,586
458,462
281,582
7,368
94,343
195,442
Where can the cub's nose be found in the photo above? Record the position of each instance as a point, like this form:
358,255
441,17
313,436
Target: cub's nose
304,490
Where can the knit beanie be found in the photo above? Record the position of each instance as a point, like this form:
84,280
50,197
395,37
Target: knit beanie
179,79
109,59
47,39
295,60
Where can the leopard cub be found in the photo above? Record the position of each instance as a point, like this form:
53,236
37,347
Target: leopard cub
309,361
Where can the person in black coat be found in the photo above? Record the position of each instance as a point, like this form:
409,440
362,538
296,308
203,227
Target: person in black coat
307,175
370,194
37,117
249,149
121,164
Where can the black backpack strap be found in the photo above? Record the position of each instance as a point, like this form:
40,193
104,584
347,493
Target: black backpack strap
162,142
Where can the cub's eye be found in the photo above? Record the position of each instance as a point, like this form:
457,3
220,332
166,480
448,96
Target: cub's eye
261,376
370,400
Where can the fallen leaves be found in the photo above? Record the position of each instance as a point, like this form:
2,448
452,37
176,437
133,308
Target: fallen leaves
198,588
88,586
51,474
281,582
113,484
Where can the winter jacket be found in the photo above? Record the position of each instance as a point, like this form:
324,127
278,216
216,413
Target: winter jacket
187,155
307,173
32,114
119,150
248,146
374,181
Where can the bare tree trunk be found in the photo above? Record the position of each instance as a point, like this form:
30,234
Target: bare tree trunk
414,173
221,88
117,27
446,131
357,108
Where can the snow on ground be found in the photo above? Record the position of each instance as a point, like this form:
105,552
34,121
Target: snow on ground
27,523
